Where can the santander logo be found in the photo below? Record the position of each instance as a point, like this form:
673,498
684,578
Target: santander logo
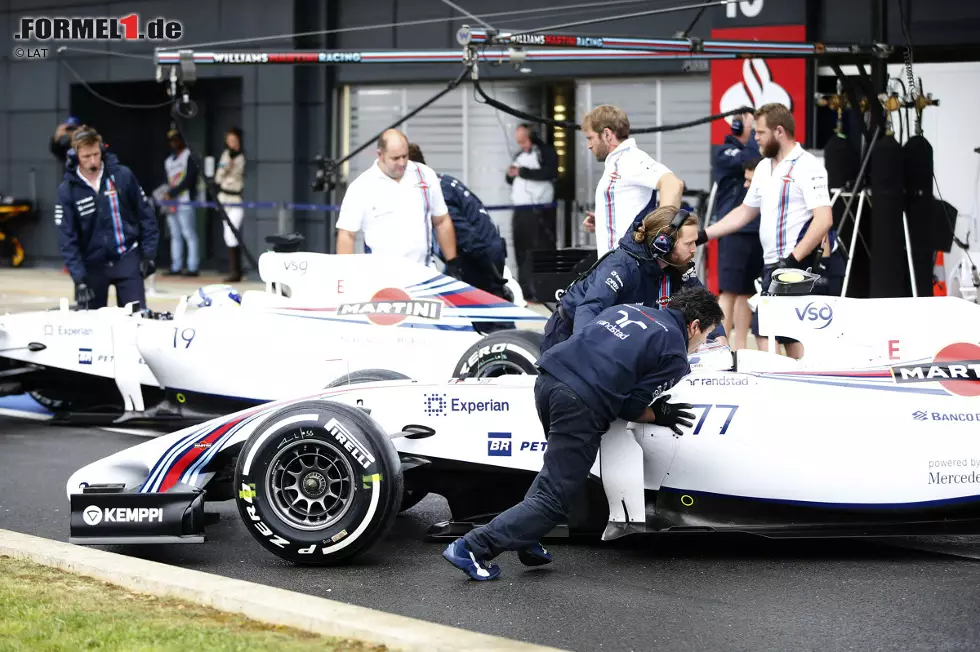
737,83
756,89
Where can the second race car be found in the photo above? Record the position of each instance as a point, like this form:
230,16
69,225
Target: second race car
320,318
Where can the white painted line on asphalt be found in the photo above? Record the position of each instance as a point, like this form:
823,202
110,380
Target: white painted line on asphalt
137,432
256,601
24,414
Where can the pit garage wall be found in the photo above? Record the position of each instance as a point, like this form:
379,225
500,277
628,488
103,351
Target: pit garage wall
282,110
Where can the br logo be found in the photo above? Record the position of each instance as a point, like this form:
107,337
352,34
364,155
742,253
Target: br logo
498,444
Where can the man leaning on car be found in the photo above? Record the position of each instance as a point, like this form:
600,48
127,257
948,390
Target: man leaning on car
620,366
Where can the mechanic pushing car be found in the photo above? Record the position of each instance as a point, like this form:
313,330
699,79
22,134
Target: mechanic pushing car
616,367
789,189
397,203
651,260
107,231
481,252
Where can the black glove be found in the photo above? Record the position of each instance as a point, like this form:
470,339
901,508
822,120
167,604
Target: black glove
147,267
702,237
669,415
454,269
83,294
790,262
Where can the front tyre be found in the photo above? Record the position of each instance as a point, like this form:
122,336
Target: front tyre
318,483
501,353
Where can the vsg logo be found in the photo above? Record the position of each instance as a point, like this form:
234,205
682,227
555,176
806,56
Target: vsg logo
296,266
818,315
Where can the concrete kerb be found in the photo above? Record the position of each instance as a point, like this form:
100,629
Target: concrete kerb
258,602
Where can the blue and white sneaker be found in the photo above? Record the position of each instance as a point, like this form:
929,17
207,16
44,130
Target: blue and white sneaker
536,555
459,555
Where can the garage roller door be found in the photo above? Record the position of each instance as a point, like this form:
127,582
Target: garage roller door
458,135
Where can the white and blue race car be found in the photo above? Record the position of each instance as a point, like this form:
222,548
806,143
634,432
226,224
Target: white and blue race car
780,448
320,318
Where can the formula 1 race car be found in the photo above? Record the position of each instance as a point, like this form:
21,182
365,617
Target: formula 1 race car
776,449
320,318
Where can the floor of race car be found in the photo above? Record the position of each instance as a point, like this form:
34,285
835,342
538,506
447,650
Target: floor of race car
697,592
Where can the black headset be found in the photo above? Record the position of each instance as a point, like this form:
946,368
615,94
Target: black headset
663,244
738,127
103,148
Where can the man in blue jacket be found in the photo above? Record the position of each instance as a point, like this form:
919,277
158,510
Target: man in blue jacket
619,366
107,231
740,253
479,248
635,272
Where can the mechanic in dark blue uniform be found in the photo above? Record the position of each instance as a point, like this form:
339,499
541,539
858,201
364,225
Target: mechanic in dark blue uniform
652,260
107,231
740,253
616,367
480,250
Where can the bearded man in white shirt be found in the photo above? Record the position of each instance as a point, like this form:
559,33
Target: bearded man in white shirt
629,179
789,190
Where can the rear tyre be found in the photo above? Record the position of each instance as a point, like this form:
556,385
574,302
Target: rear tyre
501,353
367,376
318,483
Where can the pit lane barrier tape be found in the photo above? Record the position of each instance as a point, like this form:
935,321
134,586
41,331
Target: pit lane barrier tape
327,208
258,602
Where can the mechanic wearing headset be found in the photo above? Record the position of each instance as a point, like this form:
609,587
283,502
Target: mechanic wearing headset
107,231
740,253
651,261
480,249
630,176
789,189
616,367
398,204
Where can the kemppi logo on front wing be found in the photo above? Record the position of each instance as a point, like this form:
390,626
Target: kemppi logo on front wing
94,515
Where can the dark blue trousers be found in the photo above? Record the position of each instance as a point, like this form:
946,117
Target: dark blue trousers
573,432
125,275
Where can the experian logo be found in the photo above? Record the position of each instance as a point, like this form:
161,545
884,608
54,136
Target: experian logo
94,515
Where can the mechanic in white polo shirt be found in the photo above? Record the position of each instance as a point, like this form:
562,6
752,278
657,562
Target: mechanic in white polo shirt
789,188
626,190
397,203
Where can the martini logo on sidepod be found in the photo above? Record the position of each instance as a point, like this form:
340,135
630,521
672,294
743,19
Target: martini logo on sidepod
391,306
956,368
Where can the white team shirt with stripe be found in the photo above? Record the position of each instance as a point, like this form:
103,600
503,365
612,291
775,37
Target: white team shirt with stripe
395,216
786,198
627,185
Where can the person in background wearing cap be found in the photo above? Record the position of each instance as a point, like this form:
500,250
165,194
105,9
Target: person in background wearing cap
739,253
107,231
479,247
230,177
181,219
61,141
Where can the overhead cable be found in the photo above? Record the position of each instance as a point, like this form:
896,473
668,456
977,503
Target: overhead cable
560,9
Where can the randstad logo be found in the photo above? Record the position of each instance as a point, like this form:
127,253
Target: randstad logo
437,405
818,315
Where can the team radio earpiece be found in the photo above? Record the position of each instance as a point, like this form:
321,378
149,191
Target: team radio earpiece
663,244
